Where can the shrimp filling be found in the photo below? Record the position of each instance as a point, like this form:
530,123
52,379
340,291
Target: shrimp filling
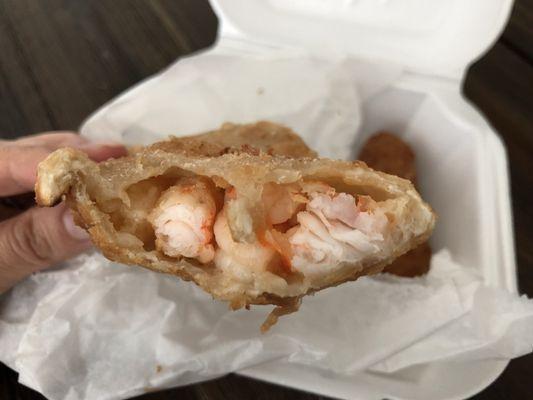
311,229
333,230
183,220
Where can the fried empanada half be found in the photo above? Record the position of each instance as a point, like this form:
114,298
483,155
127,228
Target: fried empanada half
246,226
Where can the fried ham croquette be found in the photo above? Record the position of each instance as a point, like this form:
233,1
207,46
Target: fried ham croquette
247,212
388,153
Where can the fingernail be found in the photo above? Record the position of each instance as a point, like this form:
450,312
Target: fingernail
73,230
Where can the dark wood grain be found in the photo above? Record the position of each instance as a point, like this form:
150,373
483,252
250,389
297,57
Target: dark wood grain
62,59
518,33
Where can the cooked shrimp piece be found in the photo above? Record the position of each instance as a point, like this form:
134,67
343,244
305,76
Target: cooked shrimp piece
281,202
315,230
341,207
183,220
251,255
334,229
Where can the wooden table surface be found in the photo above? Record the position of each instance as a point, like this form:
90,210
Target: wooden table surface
62,59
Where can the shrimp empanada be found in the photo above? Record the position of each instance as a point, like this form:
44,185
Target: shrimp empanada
247,212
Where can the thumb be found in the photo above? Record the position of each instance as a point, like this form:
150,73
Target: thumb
37,239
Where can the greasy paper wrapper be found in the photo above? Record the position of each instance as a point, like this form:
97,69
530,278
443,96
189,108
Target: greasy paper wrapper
93,329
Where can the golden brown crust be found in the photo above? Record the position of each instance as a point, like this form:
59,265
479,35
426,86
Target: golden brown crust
96,191
388,153
415,262
263,136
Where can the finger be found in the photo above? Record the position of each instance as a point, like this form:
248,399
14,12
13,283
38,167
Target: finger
18,168
55,140
98,151
18,164
52,140
37,239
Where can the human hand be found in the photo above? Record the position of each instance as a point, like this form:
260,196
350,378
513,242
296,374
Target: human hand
39,237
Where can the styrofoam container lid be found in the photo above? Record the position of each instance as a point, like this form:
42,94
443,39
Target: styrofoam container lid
431,37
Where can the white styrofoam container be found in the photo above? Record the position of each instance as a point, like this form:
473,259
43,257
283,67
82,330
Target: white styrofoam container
462,162
432,37
434,41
